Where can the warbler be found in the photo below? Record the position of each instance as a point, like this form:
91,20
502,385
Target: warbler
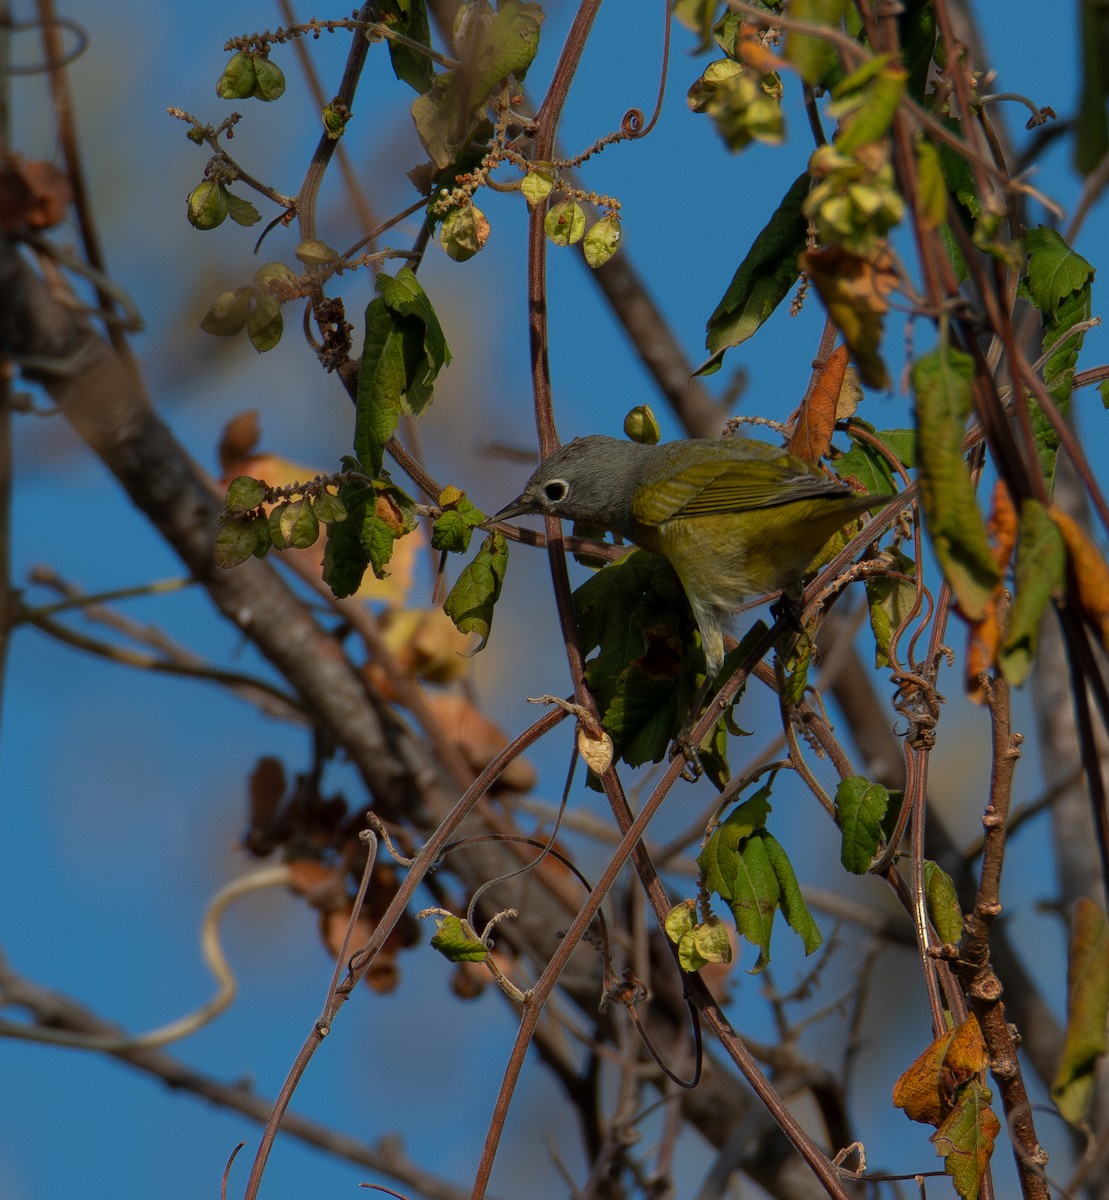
736,518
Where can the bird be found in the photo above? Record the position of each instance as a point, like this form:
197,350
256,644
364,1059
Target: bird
735,517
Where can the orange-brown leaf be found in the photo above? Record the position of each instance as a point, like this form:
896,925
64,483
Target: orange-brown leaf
926,1090
33,194
984,636
479,739
239,441
1091,574
816,421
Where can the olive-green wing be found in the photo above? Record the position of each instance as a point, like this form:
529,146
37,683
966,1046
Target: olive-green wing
734,485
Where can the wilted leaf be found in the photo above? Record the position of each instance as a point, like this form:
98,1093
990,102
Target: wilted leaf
816,421
464,232
474,595
1091,575
1087,1004
763,279
854,291
965,1140
944,909
941,383
1040,569
928,1089
813,57
455,943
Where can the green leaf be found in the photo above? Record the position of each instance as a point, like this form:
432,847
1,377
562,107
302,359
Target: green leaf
241,211
389,517
748,869
564,223
537,185
207,207
344,558
1054,271
329,508
1092,129
763,279
602,241
471,600
403,353
814,57
265,325
860,807
965,1139
865,103
941,382
456,523
229,312
719,858
456,943
408,17
1058,281
790,900
299,525
491,50
1087,1005
635,614
890,600
866,463
1040,571
269,80
944,909
464,232
238,79
244,493
931,186
239,538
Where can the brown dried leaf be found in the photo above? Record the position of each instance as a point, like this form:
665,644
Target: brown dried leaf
854,290
926,1090
816,420
33,194
239,441
1091,575
984,636
479,739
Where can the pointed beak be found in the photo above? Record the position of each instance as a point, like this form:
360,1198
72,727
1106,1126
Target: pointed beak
520,507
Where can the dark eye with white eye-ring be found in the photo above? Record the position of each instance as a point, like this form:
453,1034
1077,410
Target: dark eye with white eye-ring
556,490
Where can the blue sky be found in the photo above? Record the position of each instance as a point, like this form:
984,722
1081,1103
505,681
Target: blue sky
123,793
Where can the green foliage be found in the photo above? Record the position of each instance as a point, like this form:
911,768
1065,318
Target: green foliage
248,76
403,353
456,522
944,910
764,278
744,105
1040,569
699,942
506,42
408,17
941,383
747,868
456,943
1058,281
860,810
565,223
478,588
